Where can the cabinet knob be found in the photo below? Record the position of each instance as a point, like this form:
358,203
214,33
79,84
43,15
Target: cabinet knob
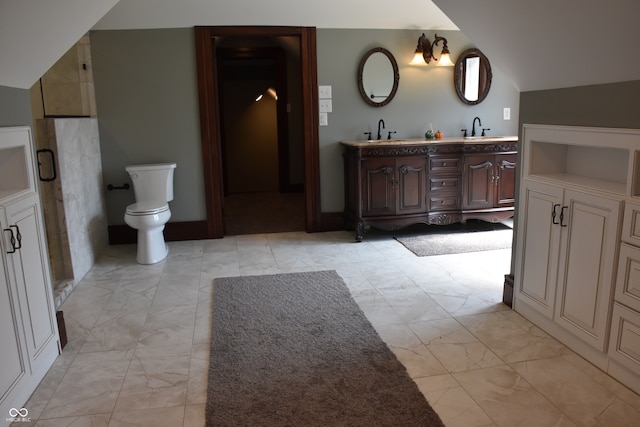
444,163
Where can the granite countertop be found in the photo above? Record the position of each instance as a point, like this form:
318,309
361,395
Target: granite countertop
420,141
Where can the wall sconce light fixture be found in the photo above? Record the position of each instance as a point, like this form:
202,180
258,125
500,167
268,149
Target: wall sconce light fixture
271,91
424,52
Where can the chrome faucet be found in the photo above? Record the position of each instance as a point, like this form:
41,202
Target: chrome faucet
381,122
473,127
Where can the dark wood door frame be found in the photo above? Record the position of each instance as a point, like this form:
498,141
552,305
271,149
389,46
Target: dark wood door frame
205,39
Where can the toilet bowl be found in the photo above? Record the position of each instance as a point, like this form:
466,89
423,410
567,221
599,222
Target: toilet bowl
149,219
153,188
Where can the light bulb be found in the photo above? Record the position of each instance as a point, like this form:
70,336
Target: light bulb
417,59
445,60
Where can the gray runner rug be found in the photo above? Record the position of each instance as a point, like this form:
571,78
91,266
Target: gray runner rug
296,350
458,239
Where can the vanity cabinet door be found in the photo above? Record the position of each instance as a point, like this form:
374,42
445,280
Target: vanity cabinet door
505,180
479,180
378,181
489,181
411,183
394,186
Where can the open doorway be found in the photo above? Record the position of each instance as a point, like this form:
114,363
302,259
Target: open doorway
262,154
300,112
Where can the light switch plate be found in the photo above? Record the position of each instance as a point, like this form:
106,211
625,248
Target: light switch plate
325,106
324,121
324,92
506,113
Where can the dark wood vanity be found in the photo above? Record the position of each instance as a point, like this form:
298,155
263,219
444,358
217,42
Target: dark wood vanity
391,184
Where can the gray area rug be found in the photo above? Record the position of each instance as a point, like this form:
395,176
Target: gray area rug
458,238
296,350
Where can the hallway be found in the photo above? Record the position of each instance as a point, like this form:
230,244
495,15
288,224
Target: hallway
266,212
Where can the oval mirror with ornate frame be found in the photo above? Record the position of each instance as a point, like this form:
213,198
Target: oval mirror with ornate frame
472,76
378,77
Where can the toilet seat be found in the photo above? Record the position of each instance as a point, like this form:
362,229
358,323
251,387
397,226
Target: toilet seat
147,208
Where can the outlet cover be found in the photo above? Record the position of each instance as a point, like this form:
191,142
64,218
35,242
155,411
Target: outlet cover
325,105
324,92
506,113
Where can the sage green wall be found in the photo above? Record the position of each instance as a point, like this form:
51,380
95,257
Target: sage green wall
147,102
15,107
614,105
425,95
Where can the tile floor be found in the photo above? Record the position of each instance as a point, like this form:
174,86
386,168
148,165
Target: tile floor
138,335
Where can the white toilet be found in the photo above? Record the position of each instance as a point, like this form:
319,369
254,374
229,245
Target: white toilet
153,189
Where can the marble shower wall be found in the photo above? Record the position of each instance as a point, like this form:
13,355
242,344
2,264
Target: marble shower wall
81,232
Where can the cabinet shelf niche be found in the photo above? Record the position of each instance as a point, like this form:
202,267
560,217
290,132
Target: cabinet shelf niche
599,168
14,168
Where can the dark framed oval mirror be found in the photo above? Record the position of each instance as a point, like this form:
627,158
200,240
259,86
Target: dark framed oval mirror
378,77
472,76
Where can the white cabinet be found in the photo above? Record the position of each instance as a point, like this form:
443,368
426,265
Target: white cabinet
569,240
30,341
570,262
624,344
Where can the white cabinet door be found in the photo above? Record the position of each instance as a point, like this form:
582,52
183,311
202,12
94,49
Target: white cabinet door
624,347
13,371
539,238
587,265
566,262
33,281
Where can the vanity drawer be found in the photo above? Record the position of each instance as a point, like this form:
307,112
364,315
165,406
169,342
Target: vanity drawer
450,164
631,224
445,183
444,203
624,342
628,278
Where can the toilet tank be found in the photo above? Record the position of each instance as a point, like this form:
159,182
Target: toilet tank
152,182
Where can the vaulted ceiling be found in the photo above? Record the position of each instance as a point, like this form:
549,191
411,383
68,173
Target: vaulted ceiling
539,44
546,44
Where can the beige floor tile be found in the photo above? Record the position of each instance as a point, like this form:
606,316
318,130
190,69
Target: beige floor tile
576,394
194,415
154,382
452,403
158,417
96,420
90,385
509,399
509,340
139,336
